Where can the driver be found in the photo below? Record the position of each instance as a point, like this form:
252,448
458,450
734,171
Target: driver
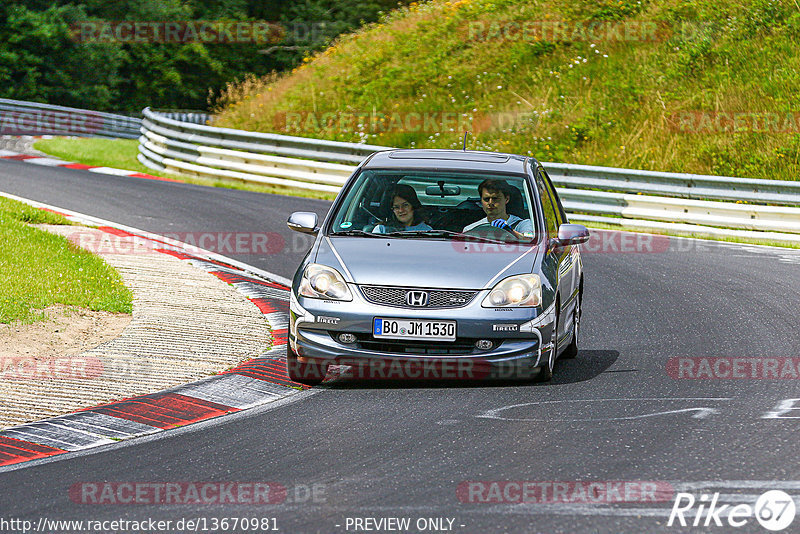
494,198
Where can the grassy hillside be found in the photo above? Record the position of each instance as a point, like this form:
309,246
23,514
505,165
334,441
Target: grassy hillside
638,84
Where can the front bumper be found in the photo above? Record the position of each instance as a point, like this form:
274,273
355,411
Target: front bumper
519,336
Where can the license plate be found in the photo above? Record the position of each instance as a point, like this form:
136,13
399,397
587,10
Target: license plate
413,329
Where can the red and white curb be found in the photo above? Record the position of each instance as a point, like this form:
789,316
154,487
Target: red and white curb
55,162
252,383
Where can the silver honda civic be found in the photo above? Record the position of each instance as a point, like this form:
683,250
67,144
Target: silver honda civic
437,264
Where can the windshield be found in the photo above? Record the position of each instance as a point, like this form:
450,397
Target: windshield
420,204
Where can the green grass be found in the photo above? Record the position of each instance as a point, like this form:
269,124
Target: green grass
39,269
121,154
612,102
117,153
24,213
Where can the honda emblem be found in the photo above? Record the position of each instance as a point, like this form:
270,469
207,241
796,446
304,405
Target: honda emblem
417,298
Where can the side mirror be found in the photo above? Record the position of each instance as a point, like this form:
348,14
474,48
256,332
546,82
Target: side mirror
303,221
572,234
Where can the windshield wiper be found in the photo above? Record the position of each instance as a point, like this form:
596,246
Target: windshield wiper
445,233
360,233
424,234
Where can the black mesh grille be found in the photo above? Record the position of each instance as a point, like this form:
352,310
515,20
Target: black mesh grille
438,298
431,349
461,346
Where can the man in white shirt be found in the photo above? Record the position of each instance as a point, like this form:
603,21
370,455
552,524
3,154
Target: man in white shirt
494,199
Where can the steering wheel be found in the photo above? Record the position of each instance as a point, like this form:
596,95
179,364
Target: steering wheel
487,227
362,207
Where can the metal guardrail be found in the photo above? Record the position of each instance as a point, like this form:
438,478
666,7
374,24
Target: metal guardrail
655,200
281,145
677,210
680,185
32,118
192,117
202,150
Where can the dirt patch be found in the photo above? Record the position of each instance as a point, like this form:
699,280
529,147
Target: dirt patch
67,331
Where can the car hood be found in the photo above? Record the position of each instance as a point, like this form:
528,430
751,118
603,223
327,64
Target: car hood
423,263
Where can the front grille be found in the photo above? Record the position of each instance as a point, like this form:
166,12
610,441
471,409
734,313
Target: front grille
461,346
428,350
437,298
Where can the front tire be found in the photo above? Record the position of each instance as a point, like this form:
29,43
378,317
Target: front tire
572,350
308,373
546,370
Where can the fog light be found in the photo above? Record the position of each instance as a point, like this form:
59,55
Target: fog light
484,344
347,338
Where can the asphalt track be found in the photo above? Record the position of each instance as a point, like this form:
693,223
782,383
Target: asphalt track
400,449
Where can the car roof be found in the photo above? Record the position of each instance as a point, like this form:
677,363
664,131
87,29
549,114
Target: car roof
448,159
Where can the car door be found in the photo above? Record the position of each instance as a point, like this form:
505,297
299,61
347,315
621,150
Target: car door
562,257
554,257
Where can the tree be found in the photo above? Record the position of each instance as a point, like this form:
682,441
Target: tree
41,59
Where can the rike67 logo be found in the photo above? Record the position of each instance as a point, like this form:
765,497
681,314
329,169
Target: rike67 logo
774,510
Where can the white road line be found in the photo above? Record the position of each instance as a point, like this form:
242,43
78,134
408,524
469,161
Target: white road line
702,411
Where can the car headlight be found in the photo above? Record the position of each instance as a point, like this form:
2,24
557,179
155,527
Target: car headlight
321,282
520,291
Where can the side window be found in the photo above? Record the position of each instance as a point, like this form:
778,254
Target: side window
548,209
556,201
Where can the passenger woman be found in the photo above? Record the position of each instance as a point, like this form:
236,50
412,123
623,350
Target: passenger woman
407,212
